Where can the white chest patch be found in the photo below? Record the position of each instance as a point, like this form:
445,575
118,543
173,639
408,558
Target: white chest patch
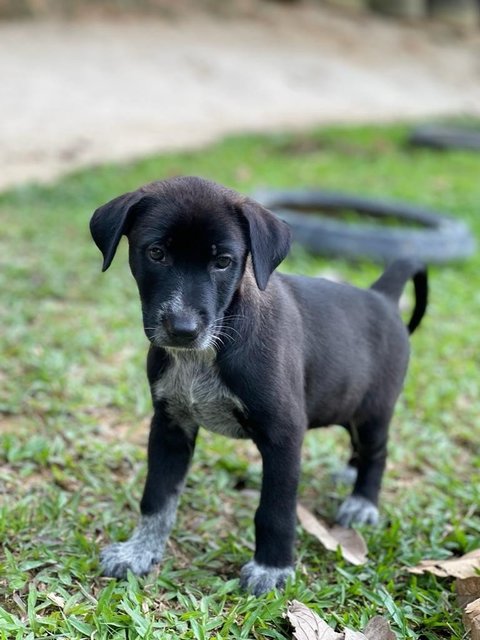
195,395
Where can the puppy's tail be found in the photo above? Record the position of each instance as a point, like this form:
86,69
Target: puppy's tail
392,282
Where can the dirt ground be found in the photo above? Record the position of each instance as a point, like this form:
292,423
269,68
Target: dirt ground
83,92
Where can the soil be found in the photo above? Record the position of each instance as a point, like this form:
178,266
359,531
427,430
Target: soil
77,93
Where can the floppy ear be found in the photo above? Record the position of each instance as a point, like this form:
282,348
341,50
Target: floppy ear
110,222
270,240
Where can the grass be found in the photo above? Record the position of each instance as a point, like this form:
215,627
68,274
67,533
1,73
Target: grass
75,408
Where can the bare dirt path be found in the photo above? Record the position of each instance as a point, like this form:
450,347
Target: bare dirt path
73,94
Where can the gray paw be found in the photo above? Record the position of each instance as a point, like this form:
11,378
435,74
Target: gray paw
118,558
357,510
346,475
260,579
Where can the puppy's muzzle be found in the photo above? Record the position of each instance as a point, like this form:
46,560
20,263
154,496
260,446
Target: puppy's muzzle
182,328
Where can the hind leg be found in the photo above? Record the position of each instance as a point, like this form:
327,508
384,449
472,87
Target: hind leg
369,439
348,474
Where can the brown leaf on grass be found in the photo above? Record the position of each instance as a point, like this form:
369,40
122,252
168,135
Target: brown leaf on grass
350,634
468,596
466,570
19,602
468,590
56,599
467,566
471,619
378,628
351,543
307,625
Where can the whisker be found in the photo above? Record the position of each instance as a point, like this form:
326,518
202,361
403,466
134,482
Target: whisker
220,321
232,329
224,335
222,327
216,341
232,317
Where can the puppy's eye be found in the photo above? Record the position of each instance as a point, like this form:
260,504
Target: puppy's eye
222,262
156,253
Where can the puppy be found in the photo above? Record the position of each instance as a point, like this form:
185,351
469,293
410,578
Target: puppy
249,353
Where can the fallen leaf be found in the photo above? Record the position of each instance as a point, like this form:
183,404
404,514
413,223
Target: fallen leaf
378,628
466,570
468,590
19,602
307,625
349,634
351,543
467,566
56,599
471,619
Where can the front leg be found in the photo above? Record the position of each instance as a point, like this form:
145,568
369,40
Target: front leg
275,519
170,450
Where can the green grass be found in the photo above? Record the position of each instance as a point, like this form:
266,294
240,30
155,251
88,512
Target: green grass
75,407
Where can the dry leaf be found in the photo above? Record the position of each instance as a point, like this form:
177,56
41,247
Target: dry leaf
378,628
307,625
351,543
19,602
468,566
56,599
471,619
468,590
349,634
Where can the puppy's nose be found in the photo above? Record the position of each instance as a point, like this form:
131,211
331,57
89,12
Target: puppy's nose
182,327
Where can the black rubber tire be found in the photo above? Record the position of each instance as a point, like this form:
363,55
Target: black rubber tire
446,137
439,239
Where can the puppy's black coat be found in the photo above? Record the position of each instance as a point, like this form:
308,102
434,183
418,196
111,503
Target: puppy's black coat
250,353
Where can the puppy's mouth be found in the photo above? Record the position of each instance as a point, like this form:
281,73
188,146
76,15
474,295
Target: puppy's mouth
159,337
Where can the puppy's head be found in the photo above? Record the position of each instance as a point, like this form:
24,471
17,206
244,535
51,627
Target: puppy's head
189,240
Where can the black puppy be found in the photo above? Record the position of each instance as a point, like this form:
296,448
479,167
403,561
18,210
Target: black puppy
249,353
